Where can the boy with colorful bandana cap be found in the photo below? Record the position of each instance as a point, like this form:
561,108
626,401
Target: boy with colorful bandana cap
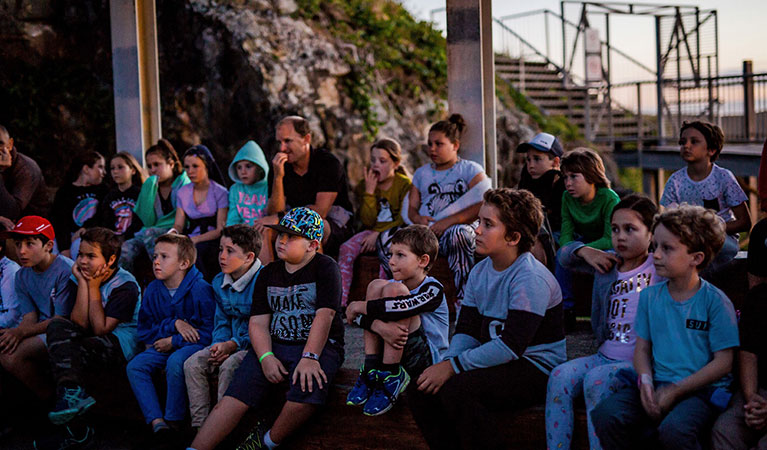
296,336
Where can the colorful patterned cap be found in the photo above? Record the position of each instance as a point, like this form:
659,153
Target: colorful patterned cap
302,222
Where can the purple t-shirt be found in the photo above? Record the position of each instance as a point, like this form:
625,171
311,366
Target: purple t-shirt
215,200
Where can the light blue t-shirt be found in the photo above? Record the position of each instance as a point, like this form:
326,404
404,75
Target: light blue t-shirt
436,324
685,335
10,315
47,293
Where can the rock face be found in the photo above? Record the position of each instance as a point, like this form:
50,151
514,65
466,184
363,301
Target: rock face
229,70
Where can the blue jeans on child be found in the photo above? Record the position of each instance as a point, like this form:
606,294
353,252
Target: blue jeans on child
620,421
146,363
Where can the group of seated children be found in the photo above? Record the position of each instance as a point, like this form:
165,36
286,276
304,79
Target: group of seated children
666,336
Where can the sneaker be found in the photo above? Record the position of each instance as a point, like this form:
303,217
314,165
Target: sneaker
64,440
72,402
362,389
387,388
255,439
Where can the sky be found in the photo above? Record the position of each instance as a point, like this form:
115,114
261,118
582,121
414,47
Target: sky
742,29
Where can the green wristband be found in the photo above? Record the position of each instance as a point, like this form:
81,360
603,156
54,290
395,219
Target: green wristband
261,358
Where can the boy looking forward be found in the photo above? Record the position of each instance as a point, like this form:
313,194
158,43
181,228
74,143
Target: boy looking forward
175,321
43,289
296,334
101,330
237,256
686,333
541,175
508,337
408,318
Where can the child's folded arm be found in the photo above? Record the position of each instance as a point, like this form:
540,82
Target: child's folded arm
427,299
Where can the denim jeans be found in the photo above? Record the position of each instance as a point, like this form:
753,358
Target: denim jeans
621,422
140,370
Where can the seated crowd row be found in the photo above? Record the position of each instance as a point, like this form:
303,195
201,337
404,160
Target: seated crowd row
266,324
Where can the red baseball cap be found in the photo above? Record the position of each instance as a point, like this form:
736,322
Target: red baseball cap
32,226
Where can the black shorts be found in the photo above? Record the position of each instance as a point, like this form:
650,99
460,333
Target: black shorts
250,386
416,356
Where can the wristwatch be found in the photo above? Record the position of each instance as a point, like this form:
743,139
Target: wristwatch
310,355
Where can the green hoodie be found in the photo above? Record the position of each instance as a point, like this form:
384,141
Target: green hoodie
147,205
247,202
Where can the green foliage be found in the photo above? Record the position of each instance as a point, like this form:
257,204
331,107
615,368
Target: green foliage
557,125
631,178
409,54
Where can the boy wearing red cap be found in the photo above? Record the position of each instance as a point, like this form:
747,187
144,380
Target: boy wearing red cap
43,290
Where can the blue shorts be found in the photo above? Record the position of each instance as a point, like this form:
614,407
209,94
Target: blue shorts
250,386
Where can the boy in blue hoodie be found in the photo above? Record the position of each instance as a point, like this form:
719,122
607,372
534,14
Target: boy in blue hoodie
250,192
175,321
240,266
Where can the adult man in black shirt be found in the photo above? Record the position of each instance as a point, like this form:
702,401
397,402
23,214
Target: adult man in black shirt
305,176
22,187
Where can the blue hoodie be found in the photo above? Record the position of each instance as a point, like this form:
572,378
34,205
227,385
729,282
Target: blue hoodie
193,302
247,202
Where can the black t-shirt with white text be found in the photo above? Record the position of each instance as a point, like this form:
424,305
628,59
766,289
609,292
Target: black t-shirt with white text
293,299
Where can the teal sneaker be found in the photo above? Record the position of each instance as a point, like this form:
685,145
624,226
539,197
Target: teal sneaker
387,389
71,403
362,388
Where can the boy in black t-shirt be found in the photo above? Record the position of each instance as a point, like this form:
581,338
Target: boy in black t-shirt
744,424
296,337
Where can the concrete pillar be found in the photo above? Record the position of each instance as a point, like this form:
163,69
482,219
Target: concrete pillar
471,78
135,74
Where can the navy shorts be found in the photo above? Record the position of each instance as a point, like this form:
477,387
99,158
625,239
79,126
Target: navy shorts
250,386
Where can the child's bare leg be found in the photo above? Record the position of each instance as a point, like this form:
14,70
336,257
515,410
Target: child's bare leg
373,341
222,420
266,255
27,364
292,416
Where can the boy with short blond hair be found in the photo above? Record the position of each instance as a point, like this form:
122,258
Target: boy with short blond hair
413,310
44,292
101,331
238,258
686,334
296,333
508,337
175,321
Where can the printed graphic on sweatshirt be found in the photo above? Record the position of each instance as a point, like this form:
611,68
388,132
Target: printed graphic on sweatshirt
85,209
251,206
443,195
624,300
293,309
384,211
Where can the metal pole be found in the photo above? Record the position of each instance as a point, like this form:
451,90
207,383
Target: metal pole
749,113
716,47
466,78
135,75
546,27
639,123
609,84
659,80
565,80
677,24
710,92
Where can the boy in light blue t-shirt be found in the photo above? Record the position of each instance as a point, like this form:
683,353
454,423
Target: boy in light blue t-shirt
42,286
10,314
686,334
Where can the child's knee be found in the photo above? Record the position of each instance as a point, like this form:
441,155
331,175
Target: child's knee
394,290
375,289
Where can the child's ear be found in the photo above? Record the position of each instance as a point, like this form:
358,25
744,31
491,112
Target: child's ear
513,239
111,261
556,161
184,264
250,257
314,245
697,258
48,246
423,261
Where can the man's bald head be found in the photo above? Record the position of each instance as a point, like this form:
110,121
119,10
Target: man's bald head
4,133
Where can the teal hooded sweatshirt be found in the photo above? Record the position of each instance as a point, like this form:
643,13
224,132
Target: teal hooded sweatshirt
247,202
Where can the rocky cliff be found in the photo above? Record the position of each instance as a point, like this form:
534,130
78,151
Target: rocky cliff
357,69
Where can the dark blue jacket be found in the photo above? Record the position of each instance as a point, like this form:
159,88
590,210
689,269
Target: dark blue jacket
193,302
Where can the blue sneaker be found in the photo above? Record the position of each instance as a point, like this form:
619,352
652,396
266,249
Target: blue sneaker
71,403
387,388
362,388
255,439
